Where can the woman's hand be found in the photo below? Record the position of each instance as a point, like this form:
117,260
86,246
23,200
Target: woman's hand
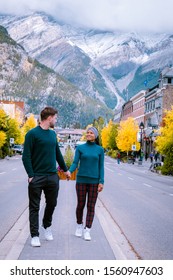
100,187
68,174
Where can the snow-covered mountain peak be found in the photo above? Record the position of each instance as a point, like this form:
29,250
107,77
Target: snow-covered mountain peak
101,63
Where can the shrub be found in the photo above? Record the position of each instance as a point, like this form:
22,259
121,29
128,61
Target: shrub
114,154
167,168
68,156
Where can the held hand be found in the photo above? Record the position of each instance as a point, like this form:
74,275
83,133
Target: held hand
68,175
100,187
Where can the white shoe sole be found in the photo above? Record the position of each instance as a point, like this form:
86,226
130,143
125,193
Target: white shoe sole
35,244
46,237
78,235
39,245
87,238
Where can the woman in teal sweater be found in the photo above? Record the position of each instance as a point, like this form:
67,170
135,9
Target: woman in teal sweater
89,159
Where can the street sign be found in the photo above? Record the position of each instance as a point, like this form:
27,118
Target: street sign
133,147
11,140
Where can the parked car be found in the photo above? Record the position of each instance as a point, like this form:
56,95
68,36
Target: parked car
18,149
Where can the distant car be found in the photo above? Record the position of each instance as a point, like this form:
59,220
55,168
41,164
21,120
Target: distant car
18,149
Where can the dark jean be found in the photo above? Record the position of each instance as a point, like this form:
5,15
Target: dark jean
50,186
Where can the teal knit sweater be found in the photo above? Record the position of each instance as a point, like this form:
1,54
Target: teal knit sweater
41,151
89,159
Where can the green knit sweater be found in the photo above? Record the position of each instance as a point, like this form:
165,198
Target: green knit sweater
89,159
41,151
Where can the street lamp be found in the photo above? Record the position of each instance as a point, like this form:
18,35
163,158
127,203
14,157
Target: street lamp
141,126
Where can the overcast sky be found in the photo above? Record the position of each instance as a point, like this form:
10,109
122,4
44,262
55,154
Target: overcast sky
133,15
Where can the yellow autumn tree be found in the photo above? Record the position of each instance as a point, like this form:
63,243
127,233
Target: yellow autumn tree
164,143
3,120
2,138
113,131
105,137
165,138
127,135
108,135
14,131
9,128
29,124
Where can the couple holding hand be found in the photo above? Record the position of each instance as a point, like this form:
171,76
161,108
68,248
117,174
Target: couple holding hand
41,152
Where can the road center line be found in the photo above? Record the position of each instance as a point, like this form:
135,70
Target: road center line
130,178
147,185
2,173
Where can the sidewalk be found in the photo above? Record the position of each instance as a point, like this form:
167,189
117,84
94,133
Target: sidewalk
145,163
66,246
108,242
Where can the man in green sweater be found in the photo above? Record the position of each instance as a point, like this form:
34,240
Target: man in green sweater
41,151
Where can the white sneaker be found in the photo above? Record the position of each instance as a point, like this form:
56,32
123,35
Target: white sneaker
79,230
35,241
87,235
48,233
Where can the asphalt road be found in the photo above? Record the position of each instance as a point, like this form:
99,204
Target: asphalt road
139,203
13,192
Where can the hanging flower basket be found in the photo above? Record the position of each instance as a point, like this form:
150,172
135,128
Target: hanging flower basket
62,176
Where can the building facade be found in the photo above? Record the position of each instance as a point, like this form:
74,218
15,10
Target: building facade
14,109
149,106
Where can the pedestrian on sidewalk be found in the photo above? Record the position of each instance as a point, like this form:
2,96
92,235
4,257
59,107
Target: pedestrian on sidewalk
146,156
89,159
151,157
41,151
118,157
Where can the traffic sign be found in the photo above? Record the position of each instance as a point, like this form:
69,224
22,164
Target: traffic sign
11,140
133,147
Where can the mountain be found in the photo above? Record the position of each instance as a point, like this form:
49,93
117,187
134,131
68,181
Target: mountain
24,78
103,64
106,66
59,46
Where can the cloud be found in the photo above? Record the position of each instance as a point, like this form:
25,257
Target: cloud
132,15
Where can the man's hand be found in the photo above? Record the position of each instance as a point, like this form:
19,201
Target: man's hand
30,179
100,187
68,174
